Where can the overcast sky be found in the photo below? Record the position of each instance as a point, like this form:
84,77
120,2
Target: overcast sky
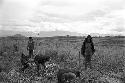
83,16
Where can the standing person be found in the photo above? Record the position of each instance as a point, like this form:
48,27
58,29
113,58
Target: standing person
24,62
30,47
87,51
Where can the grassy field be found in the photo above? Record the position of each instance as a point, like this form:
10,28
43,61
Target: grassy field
108,62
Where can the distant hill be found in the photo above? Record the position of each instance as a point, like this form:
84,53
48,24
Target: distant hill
5,33
58,33
18,35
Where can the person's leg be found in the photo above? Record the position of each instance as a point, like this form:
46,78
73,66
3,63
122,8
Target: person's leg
25,65
86,63
31,53
89,62
90,66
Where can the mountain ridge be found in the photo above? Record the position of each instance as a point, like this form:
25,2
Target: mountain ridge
5,33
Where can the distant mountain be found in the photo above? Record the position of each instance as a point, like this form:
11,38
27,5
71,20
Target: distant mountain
5,33
57,33
102,35
18,35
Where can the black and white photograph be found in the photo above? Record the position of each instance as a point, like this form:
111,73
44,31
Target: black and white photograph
62,41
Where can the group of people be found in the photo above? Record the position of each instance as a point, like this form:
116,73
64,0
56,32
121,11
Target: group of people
87,50
37,59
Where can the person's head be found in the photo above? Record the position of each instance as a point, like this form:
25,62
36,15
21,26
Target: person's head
30,38
89,38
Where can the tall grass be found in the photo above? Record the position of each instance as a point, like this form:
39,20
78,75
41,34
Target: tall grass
109,56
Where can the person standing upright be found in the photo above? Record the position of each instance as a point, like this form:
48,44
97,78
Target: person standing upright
87,51
30,47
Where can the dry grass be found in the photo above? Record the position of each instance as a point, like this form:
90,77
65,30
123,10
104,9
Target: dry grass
109,57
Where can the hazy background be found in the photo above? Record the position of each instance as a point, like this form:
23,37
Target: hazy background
77,16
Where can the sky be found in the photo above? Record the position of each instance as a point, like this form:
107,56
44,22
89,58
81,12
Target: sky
82,16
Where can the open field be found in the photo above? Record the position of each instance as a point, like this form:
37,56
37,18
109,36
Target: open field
108,62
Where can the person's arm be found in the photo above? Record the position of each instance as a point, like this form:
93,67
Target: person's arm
83,49
33,45
93,49
28,46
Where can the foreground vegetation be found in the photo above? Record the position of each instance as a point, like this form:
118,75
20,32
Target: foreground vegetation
108,62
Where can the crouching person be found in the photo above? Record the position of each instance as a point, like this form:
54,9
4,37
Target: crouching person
24,62
87,51
67,75
41,60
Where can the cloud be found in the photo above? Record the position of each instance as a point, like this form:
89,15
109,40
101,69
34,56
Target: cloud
55,3
1,2
112,23
46,17
17,9
53,17
84,16
77,10
17,23
120,29
115,4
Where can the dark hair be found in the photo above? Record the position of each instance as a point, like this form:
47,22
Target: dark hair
89,38
30,37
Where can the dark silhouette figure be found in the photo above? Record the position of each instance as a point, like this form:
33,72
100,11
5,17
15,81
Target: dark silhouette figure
67,75
30,47
87,50
41,59
24,62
